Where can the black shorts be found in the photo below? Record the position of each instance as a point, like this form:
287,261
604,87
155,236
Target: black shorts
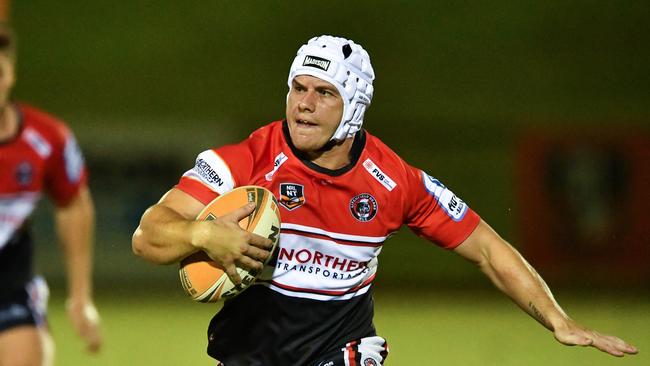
26,306
262,327
369,351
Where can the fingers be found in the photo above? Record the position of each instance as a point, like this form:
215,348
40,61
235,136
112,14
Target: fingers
252,258
93,339
92,335
249,264
231,271
585,337
613,345
629,349
260,242
85,319
256,254
624,346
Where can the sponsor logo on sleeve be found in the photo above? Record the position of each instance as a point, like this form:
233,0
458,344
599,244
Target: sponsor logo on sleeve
292,195
447,200
74,160
279,160
317,62
363,207
37,142
205,171
379,175
211,170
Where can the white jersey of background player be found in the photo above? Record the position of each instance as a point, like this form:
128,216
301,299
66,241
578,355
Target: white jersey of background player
343,192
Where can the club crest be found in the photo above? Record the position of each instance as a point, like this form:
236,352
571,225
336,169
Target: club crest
363,207
24,173
292,195
369,362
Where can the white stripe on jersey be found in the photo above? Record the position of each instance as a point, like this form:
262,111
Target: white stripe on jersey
321,269
14,209
348,237
37,142
305,295
212,171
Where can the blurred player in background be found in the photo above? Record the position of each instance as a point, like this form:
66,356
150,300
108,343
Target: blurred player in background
343,193
38,154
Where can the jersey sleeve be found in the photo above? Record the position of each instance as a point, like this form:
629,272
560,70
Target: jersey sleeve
66,170
435,213
217,171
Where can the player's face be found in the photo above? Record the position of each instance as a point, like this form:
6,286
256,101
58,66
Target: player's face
7,78
314,110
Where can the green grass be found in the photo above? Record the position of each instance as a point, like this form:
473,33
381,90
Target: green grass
443,328
484,329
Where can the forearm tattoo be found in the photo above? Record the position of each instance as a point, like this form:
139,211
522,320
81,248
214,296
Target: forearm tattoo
537,313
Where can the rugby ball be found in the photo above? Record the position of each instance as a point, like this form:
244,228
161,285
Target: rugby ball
202,278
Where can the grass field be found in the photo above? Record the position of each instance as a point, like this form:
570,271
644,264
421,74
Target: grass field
441,328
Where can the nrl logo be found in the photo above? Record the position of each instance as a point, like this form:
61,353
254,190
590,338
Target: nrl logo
292,195
317,62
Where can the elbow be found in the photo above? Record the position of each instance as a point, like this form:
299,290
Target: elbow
141,243
138,243
142,247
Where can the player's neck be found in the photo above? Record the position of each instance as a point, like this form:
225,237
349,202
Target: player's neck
8,123
335,158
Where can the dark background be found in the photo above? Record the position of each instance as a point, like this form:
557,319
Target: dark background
147,85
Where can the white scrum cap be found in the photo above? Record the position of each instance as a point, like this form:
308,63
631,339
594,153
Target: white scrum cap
344,64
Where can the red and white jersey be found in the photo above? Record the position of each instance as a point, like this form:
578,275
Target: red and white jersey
334,222
42,157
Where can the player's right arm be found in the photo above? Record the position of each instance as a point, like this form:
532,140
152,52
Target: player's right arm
168,232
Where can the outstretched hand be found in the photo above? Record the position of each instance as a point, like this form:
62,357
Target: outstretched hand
573,334
85,319
231,246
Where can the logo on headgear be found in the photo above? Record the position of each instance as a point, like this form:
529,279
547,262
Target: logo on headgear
317,62
363,207
291,195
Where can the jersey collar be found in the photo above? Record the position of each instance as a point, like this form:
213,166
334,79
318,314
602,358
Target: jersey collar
355,153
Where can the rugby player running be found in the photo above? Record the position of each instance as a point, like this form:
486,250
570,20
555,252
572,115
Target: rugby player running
343,193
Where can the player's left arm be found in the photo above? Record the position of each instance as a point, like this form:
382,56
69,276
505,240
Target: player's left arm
514,276
75,223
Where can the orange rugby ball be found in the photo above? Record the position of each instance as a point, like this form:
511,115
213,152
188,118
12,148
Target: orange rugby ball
202,278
